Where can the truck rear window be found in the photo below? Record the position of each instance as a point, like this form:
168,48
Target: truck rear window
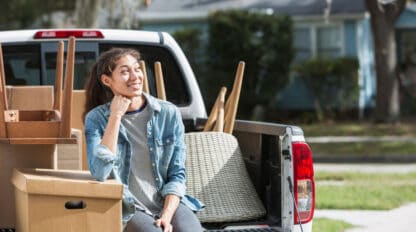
83,62
22,64
32,64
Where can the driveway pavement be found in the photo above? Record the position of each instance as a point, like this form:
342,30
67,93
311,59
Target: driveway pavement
401,219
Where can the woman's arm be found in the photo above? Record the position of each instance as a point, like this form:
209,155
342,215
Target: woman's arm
102,143
169,209
118,108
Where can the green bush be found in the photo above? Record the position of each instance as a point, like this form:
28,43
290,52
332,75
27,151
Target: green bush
263,41
189,40
333,82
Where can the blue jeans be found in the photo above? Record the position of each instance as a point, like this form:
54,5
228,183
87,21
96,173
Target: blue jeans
184,220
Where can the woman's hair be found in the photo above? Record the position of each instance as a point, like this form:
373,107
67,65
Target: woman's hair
96,92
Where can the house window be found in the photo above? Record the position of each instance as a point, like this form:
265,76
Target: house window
328,41
318,40
302,43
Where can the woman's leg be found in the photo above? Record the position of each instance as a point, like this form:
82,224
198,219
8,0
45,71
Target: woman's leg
142,222
185,220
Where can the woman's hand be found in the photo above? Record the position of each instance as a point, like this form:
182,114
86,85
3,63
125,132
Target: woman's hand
118,108
119,105
169,209
165,224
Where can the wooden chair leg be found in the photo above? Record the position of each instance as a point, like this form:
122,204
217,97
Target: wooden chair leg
213,116
3,97
145,80
3,80
219,125
232,102
160,85
57,104
65,131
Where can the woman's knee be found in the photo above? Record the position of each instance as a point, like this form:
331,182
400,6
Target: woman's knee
142,222
185,220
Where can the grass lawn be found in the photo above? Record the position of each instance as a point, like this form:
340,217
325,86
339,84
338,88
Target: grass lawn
369,149
329,225
365,148
378,191
358,129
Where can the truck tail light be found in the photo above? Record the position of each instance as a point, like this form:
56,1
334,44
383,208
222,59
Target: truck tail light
304,184
60,34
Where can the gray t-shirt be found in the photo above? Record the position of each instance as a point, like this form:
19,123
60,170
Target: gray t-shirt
142,183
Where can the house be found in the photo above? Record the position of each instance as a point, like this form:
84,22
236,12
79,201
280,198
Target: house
331,28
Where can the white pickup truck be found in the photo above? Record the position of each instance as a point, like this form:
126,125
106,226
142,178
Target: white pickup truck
278,160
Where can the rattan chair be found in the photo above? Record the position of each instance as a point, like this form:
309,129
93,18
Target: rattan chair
216,175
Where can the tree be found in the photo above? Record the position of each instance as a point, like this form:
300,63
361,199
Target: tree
264,42
384,14
31,13
121,13
86,13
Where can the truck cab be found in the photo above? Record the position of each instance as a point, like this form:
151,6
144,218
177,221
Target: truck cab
276,156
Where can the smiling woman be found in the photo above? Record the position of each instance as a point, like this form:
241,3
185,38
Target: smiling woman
138,140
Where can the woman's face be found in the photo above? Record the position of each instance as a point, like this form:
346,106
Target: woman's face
126,79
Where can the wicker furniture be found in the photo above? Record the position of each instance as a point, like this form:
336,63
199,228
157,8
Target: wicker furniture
216,175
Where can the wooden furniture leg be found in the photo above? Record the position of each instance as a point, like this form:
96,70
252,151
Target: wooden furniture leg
213,115
145,80
65,131
232,102
219,125
160,85
3,97
57,104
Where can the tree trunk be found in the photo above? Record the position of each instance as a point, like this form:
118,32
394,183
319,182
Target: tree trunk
383,18
87,12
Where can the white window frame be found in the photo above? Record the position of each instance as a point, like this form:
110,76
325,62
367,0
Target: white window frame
313,31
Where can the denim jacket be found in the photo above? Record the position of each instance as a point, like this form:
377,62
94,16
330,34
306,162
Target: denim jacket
165,137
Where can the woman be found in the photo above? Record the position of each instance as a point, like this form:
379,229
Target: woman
138,140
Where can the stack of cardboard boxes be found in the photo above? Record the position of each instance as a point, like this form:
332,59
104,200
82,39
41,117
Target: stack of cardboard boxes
34,131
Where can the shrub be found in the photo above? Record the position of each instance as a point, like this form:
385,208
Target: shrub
263,41
334,83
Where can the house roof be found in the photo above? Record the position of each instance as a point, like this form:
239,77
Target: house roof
194,9
310,7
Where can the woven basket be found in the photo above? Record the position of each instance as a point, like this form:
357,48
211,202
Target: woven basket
216,175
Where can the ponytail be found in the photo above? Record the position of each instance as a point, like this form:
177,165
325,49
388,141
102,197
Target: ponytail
96,93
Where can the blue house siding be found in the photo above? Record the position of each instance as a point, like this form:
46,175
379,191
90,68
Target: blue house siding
350,38
408,18
297,96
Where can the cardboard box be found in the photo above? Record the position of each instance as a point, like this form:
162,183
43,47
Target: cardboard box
22,97
70,155
77,122
20,156
57,200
